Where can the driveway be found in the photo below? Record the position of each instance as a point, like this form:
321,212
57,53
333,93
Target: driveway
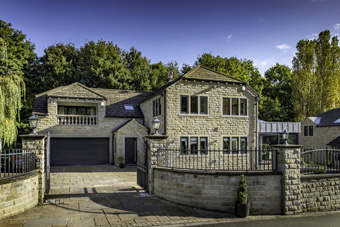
106,196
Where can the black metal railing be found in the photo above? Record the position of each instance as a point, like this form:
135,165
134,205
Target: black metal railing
16,162
219,160
325,160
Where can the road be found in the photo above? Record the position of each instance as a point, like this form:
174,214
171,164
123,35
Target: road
327,219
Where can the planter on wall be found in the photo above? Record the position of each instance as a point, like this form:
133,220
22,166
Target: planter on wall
242,210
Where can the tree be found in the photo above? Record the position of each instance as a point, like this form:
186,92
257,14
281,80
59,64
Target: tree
316,76
16,54
277,94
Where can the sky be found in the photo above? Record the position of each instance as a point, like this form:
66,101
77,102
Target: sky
264,31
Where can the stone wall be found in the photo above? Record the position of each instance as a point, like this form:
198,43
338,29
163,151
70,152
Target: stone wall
320,193
218,192
18,194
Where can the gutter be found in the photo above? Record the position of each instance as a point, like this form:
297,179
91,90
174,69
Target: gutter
165,124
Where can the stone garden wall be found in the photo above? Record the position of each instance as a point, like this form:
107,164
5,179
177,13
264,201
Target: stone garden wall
218,191
18,194
320,193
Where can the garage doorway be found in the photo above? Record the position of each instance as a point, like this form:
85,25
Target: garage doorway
79,151
130,150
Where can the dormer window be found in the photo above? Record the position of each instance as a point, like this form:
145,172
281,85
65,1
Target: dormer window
128,107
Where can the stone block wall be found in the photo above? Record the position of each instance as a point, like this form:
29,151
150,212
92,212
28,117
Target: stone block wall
18,194
320,193
218,192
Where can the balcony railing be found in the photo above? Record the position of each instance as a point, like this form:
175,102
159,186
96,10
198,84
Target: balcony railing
77,119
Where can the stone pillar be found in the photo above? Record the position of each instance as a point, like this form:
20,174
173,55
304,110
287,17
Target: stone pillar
37,144
154,142
289,166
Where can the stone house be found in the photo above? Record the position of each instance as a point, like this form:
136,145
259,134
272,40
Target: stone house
200,110
321,130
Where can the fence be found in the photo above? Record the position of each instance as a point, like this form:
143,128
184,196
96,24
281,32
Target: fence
218,160
16,162
326,160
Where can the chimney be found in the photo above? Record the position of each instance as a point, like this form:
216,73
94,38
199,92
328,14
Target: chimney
170,76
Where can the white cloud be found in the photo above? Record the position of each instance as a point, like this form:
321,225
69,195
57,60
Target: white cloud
283,46
336,27
229,36
312,36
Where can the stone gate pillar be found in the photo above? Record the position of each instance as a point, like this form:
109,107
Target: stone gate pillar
154,142
289,166
36,143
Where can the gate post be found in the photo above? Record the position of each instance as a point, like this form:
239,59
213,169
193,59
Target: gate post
154,142
37,144
289,165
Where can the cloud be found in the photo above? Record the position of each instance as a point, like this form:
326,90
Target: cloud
312,36
336,27
283,46
229,36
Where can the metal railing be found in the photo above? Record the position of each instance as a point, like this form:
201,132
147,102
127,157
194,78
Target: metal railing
219,160
326,160
77,119
16,162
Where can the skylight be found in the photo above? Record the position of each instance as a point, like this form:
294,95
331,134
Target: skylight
129,107
337,121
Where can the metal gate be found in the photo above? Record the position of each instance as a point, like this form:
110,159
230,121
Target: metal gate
142,163
47,163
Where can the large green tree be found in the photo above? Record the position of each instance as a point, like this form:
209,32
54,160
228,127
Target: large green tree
277,94
316,76
16,56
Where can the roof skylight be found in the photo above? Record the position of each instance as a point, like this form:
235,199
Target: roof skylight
129,107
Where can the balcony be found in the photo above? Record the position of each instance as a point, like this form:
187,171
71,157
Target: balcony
77,119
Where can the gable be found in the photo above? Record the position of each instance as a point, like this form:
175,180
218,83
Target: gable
308,121
75,90
128,125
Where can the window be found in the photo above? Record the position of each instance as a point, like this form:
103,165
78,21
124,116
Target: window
204,145
195,144
128,107
308,130
204,105
234,106
226,106
76,110
243,143
198,104
234,144
243,106
193,104
184,104
226,144
157,107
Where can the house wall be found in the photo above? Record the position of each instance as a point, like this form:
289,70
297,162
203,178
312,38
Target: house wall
218,191
213,125
147,109
127,131
321,135
103,128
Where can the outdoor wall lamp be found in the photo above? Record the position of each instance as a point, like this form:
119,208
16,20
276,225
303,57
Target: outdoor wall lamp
155,125
285,137
33,121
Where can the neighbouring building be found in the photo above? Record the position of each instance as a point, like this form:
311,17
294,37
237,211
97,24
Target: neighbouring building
200,110
321,130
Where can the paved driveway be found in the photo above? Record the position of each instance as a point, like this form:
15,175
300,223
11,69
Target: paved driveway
106,196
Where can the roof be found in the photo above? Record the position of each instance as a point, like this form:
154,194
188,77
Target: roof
328,118
202,73
335,142
121,125
115,99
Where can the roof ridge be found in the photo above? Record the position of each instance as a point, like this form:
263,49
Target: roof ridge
72,85
223,74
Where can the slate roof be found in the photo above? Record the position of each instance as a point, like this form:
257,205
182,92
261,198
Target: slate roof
121,125
115,100
335,142
328,118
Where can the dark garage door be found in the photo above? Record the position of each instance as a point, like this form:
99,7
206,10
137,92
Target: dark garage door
79,151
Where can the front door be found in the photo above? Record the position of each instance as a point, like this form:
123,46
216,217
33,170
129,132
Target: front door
130,150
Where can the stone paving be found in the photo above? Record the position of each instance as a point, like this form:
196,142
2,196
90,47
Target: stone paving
107,196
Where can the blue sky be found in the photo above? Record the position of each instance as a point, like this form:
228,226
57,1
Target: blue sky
264,31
